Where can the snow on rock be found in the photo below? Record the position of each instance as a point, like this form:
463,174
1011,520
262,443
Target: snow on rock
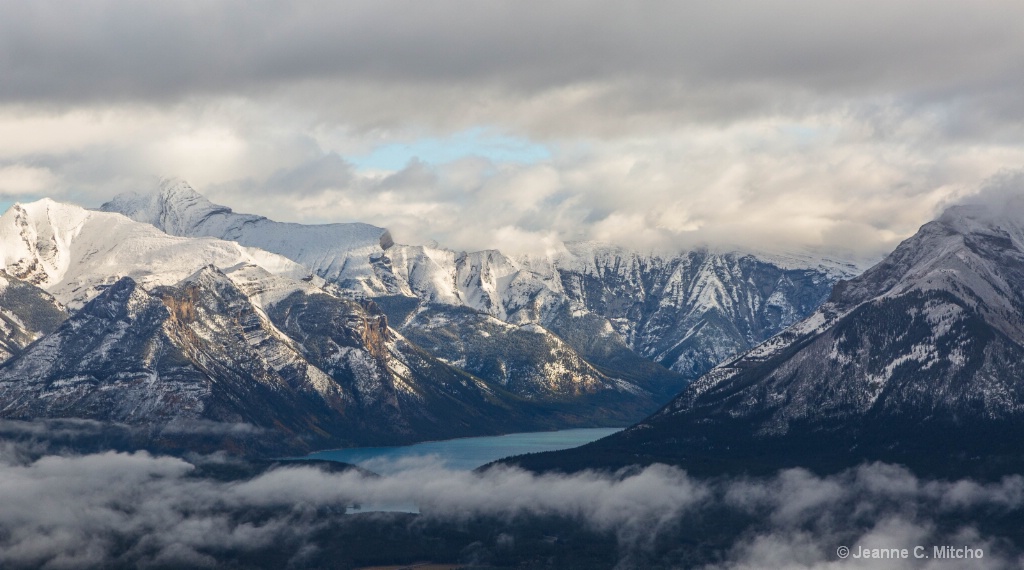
265,288
26,314
73,253
930,335
336,252
687,311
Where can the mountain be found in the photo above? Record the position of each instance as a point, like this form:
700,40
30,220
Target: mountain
401,384
353,258
191,352
197,364
551,386
660,320
26,314
693,310
473,308
73,253
919,361
339,253
168,329
534,364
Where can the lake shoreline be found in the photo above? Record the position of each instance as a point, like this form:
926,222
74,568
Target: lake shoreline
464,453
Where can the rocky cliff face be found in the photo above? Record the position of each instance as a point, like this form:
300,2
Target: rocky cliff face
693,310
180,357
397,386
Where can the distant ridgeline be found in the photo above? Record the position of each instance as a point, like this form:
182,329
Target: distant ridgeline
686,312
918,361
232,330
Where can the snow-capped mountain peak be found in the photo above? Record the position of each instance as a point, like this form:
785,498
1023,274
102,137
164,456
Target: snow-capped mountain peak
37,239
74,253
686,310
174,207
337,252
917,360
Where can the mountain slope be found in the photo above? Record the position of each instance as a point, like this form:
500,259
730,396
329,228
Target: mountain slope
399,388
74,253
197,365
920,360
26,314
693,310
530,362
184,354
686,312
337,252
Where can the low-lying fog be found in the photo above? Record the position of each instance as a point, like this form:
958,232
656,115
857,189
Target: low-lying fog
74,511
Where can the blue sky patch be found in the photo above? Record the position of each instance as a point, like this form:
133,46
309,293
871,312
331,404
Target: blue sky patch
478,142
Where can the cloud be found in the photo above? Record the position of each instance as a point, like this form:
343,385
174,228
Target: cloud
752,185
623,62
779,124
1002,195
199,427
821,182
135,509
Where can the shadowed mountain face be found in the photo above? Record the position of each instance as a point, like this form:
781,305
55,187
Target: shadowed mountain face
191,355
691,311
402,386
920,360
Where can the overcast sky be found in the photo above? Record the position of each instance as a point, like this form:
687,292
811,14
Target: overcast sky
508,124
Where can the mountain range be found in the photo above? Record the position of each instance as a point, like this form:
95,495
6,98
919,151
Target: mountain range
204,328
169,313
174,335
686,312
917,361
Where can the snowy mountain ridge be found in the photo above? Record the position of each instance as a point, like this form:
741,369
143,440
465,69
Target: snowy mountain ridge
337,252
686,311
73,253
917,361
167,329
968,261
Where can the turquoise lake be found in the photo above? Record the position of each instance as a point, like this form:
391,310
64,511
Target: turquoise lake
466,453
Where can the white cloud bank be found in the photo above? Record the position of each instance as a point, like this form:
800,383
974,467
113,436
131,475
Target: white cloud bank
140,510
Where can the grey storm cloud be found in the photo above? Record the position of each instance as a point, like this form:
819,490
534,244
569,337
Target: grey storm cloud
708,58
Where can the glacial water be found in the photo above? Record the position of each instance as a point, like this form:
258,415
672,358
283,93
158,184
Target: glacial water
463,454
